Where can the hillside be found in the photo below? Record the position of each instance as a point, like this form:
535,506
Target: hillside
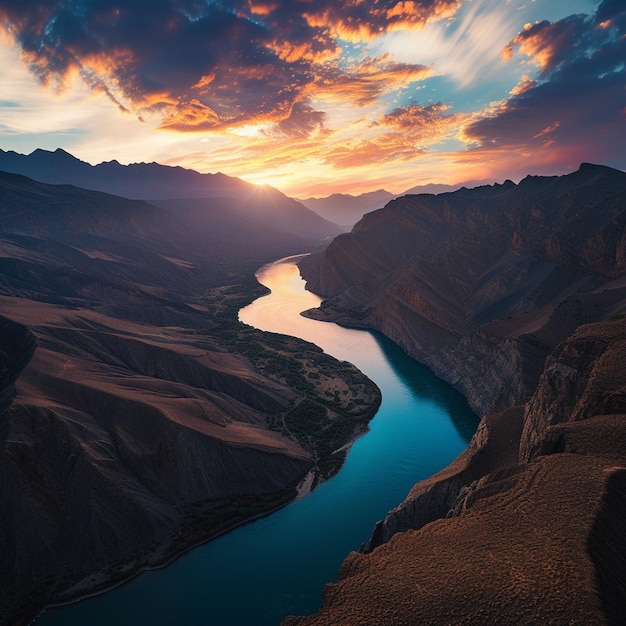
137,416
515,294
155,182
346,209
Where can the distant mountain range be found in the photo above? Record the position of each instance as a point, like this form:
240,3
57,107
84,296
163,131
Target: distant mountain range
347,210
237,209
254,207
141,181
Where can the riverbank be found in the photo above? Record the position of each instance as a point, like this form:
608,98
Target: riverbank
254,574
154,433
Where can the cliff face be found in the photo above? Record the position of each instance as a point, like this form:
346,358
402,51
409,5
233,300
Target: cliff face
500,538
482,284
527,525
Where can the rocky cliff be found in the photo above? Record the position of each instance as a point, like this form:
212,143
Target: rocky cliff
528,525
481,284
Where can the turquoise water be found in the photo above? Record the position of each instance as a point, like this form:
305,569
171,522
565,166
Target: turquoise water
278,565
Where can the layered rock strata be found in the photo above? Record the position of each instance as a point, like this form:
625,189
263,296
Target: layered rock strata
527,525
481,284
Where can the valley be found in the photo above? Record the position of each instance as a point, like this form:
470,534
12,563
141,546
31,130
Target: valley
139,417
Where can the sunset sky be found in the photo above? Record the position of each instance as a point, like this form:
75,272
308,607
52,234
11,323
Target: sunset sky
320,96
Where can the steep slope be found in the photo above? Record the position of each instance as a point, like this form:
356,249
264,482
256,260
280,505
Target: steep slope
481,284
137,417
155,182
527,525
509,533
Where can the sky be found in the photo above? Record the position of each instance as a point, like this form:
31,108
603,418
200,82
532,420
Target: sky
320,96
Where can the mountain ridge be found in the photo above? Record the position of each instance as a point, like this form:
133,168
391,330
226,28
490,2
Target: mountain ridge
515,294
138,418
153,182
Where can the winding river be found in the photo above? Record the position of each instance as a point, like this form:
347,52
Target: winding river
278,565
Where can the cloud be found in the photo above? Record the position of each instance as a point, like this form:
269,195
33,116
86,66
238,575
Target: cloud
303,121
362,21
464,49
364,82
210,65
548,44
576,109
403,134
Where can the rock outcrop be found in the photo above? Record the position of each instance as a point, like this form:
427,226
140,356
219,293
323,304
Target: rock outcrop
528,524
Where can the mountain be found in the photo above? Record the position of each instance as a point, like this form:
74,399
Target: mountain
437,188
137,416
515,294
156,183
346,209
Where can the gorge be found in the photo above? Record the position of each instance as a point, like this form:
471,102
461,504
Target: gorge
260,572
118,321
515,295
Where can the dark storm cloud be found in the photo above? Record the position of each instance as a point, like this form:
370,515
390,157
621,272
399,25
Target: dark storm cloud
578,106
205,63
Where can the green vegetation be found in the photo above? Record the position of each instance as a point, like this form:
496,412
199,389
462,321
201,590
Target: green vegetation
335,400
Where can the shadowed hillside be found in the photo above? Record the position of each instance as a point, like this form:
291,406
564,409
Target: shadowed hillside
271,212
515,294
137,416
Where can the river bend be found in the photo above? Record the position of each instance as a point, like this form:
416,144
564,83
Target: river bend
276,566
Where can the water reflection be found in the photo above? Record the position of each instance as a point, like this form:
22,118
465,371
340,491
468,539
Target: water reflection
278,565
424,384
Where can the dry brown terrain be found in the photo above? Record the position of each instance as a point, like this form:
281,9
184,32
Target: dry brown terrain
137,416
515,294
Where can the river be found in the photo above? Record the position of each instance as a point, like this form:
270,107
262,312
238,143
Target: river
278,565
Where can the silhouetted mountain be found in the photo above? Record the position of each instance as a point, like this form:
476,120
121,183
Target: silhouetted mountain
144,181
515,294
154,182
346,209
437,188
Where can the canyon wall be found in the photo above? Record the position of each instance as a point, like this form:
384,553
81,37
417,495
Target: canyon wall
514,294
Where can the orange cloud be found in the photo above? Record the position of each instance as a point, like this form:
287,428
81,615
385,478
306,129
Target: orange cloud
547,44
261,8
525,84
193,116
365,82
319,49
364,21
